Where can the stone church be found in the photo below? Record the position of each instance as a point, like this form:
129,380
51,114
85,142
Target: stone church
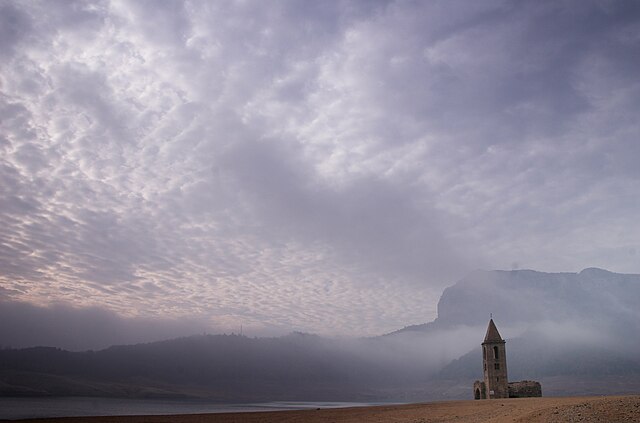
495,383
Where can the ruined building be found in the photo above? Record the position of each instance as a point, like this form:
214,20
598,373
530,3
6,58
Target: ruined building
496,383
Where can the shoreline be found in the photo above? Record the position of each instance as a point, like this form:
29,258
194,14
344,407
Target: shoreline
625,408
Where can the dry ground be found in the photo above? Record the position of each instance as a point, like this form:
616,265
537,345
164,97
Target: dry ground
549,410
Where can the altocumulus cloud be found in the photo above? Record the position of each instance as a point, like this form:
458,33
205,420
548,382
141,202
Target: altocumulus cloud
318,166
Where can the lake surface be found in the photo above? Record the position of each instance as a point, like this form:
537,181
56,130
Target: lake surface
25,408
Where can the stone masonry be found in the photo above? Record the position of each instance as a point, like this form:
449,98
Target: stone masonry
496,383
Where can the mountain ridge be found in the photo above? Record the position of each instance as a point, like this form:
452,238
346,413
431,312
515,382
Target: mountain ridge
557,325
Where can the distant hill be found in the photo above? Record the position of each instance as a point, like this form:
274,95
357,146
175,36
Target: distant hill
227,368
566,329
525,297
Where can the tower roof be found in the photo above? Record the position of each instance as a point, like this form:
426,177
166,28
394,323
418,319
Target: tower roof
492,333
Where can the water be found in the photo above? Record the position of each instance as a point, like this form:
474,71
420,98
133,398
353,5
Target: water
25,408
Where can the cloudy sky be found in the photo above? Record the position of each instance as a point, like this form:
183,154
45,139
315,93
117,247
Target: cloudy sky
324,166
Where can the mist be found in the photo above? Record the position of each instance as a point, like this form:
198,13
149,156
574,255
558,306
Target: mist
80,329
551,324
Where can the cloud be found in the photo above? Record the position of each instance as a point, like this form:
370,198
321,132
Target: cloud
326,168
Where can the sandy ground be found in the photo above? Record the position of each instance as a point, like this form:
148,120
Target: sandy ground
548,410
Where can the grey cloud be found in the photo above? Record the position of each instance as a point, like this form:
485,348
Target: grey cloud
163,22
374,221
485,73
14,25
225,157
86,92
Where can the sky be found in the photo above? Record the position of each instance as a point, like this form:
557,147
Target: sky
328,167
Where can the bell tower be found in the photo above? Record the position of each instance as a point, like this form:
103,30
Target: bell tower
495,364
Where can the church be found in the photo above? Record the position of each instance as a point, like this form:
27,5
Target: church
496,383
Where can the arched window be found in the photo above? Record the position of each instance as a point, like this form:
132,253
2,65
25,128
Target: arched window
495,353
484,352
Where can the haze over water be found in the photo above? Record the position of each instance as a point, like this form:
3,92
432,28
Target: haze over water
28,408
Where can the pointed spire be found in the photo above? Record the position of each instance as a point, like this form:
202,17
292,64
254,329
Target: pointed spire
492,333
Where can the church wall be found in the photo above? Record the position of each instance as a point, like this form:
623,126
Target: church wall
525,389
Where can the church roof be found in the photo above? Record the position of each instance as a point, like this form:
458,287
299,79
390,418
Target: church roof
492,333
